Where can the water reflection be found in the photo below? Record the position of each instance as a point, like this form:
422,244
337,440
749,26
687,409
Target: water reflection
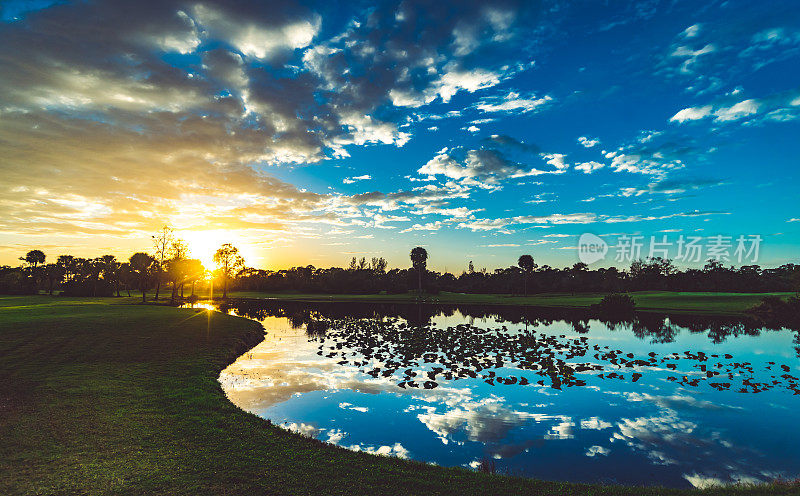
657,400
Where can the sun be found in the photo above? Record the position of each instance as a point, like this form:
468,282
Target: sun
203,245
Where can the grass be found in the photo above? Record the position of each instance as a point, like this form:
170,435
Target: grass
652,301
106,396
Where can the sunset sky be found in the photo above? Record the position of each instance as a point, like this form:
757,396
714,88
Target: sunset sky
308,133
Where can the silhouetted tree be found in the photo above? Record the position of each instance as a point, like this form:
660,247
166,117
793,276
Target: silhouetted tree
419,260
67,265
175,268
229,262
54,274
379,265
127,276
34,258
194,271
162,242
143,266
109,267
527,265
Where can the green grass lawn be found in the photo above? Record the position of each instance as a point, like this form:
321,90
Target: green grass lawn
105,396
654,301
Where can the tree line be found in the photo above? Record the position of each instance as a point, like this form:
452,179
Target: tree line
170,267
525,277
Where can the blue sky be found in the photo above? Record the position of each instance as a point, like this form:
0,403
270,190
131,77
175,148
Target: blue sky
307,133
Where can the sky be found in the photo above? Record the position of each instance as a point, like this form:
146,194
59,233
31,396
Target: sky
312,132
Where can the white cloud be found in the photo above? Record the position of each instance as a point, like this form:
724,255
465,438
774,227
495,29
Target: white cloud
692,114
471,81
512,103
596,424
254,40
556,160
485,168
351,180
734,112
597,450
691,31
588,142
430,226
691,56
350,406
589,167
396,450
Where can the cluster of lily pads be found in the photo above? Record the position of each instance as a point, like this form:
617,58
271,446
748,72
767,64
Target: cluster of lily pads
423,356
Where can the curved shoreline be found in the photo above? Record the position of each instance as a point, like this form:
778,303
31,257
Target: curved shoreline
108,398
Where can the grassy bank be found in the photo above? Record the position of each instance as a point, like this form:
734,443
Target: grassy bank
104,396
653,301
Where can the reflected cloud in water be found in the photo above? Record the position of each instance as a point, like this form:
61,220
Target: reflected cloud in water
649,431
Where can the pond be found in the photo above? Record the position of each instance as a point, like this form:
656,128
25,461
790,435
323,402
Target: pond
657,400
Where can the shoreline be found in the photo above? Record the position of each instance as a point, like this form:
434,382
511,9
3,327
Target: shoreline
136,408
662,302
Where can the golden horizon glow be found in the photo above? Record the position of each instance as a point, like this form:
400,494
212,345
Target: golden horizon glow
203,244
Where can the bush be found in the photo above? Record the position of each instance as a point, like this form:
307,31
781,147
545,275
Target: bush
616,305
776,311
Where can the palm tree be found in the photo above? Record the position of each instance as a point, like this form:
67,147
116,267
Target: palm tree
527,265
419,259
142,265
34,259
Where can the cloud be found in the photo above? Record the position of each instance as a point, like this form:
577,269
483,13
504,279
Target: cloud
778,107
691,56
511,103
351,180
737,111
129,116
396,450
430,226
692,31
656,156
485,168
670,186
254,39
588,142
597,451
589,167
502,224
595,424
488,420
692,114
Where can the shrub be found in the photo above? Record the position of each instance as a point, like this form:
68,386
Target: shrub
616,305
776,311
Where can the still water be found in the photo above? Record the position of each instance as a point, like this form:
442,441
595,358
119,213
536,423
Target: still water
659,400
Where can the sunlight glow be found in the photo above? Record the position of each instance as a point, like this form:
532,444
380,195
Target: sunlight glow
203,245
